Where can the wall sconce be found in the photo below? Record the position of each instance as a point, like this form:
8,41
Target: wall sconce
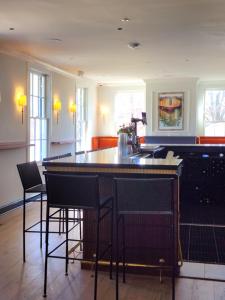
22,102
57,107
104,110
72,109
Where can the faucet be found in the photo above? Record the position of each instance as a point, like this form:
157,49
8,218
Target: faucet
135,140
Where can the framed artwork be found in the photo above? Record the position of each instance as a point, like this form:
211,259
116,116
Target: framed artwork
171,111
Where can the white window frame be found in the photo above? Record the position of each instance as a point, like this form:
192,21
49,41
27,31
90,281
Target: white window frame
81,110
204,109
141,129
46,105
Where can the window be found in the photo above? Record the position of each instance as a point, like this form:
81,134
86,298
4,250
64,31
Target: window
37,117
128,104
81,119
214,117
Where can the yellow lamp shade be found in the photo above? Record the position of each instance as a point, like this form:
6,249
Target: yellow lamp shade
22,101
72,107
57,105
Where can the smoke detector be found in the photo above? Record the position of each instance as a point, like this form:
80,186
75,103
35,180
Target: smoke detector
80,73
133,45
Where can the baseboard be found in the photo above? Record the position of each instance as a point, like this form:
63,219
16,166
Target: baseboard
14,205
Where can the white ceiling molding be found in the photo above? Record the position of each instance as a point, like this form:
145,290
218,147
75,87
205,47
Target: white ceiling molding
35,61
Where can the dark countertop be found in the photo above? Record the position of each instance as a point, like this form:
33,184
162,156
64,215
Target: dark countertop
109,158
201,148
185,145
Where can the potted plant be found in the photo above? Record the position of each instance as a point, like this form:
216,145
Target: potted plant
126,129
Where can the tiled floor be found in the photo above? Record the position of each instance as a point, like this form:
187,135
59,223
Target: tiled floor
204,244
204,271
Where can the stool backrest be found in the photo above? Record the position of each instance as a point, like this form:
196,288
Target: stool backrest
140,195
78,191
29,174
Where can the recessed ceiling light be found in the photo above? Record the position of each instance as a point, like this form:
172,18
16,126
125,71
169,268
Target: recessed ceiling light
11,28
134,45
125,20
55,39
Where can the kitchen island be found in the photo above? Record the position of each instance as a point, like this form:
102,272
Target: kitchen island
147,237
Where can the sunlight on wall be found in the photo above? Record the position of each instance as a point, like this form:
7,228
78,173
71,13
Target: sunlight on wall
104,110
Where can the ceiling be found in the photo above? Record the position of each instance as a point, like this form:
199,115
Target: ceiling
178,38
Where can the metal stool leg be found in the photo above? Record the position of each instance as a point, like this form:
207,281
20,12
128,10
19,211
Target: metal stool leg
41,230
67,236
173,261
117,259
124,249
80,228
46,251
60,218
97,256
111,243
63,220
24,226
74,216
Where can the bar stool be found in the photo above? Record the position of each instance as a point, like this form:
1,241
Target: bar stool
152,196
32,183
78,192
61,211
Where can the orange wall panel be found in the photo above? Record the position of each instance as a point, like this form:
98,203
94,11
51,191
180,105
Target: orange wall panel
211,140
100,142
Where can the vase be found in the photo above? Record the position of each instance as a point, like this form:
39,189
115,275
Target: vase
123,144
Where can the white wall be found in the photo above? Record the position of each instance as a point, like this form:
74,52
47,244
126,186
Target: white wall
63,88
189,87
13,79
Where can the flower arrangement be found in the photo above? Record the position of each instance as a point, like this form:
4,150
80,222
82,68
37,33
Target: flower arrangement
126,129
